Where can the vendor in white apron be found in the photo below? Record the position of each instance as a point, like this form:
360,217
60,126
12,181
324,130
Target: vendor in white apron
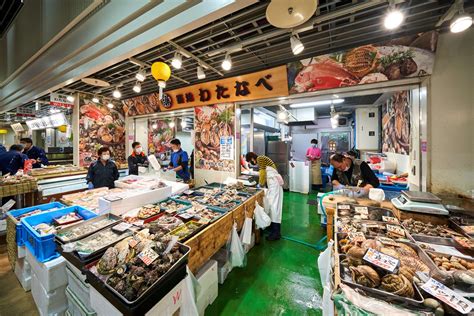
313,154
269,176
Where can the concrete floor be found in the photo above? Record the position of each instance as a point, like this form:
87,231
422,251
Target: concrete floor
281,277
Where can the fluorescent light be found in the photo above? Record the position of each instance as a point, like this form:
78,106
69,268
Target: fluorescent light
393,19
461,23
137,87
141,75
172,124
227,62
200,73
110,105
70,98
334,122
316,103
177,61
95,99
183,124
296,45
117,94
37,106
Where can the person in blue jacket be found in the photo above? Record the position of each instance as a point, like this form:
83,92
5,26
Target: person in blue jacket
34,152
2,149
179,160
103,172
12,160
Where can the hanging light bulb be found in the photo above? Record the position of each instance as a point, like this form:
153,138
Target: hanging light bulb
141,75
460,23
116,93
227,62
37,106
177,61
137,87
95,99
200,73
393,19
296,45
183,124
172,124
110,105
154,126
70,98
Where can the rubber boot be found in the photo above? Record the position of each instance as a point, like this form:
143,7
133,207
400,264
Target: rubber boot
274,232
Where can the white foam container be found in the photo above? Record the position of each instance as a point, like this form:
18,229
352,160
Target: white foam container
80,289
208,281
21,251
51,274
101,305
48,302
171,303
223,271
23,273
75,306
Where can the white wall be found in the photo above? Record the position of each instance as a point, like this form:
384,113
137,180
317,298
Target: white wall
451,132
7,139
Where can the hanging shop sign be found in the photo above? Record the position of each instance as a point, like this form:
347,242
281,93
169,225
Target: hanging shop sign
259,85
60,100
405,57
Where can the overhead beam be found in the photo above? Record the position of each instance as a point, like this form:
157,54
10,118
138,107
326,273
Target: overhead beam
199,60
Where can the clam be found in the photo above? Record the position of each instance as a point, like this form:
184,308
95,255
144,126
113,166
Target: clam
365,275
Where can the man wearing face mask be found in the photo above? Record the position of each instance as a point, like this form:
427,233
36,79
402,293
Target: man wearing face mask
103,172
179,161
136,159
352,172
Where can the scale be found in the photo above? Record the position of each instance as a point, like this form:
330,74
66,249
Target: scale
421,202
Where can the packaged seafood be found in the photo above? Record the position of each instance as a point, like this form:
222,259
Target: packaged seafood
149,210
171,206
187,230
366,213
98,241
67,219
86,228
207,216
168,222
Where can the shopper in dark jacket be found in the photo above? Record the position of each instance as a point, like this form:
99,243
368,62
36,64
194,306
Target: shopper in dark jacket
103,172
34,152
2,149
12,160
136,159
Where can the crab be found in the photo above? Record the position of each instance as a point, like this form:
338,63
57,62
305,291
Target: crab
108,261
365,275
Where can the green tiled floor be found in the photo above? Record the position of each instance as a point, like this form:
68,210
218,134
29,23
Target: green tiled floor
281,277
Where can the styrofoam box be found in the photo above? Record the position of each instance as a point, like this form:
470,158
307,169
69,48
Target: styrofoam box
21,251
75,306
101,305
223,271
208,282
172,301
48,302
78,273
131,201
51,274
80,289
23,273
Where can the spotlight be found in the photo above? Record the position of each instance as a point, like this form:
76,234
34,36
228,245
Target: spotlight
227,62
95,99
117,94
110,105
183,124
296,45
70,98
461,23
393,19
154,126
200,73
177,60
141,75
172,124
137,87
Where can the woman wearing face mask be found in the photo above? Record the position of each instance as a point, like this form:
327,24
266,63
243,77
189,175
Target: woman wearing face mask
179,161
136,159
103,172
313,154
352,172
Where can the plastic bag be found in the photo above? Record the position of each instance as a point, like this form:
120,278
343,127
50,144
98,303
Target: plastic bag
246,233
324,266
237,253
262,220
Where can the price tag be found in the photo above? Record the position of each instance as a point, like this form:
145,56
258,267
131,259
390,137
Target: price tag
186,215
134,241
381,260
148,255
371,225
188,192
112,198
396,230
387,241
357,236
361,210
448,296
344,207
121,227
390,219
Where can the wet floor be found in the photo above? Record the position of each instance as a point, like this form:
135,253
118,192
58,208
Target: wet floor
281,277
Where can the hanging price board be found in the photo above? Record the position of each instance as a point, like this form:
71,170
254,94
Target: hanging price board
448,296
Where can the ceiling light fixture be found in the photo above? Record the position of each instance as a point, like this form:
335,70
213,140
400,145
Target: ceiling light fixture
137,87
110,105
200,73
70,98
393,19
37,106
296,44
282,115
116,93
172,124
227,62
141,75
95,99
461,22
177,61
154,126
183,124
316,103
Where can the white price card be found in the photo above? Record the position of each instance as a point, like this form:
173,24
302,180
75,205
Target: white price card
397,230
390,219
356,236
122,227
361,210
381,260
7,206
148,255
343,207
448,296
387,241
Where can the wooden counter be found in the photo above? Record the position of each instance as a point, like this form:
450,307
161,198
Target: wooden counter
205,244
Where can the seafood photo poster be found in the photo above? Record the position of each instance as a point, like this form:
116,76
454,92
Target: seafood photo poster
100,126
396,123
213,123
411,56
159,136
141,105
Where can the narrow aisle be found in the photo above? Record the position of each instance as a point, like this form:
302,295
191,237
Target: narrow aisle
281,277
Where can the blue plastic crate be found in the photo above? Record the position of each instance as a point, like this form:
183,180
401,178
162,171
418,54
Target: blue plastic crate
44,247
20,229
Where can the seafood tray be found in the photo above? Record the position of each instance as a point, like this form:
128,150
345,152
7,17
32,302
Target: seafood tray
208,215
172,206
459,270
208,190
97,242
86,228
148,211
188,198
371,228
187,230
433,234
373,213
167,222
463,224
148,298
346,278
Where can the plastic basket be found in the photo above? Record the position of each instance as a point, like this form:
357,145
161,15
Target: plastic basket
20,230
44,247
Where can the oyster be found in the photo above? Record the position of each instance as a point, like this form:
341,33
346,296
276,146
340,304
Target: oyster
107,263
365,275
397,284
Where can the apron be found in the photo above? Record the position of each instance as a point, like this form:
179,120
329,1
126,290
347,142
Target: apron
316,172
274,194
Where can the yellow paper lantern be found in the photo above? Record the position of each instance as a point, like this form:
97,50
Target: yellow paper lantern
3,131
161,72
62,128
